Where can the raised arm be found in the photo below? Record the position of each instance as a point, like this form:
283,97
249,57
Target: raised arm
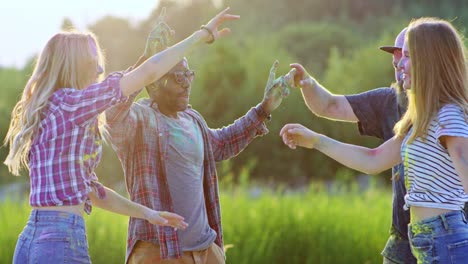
319,100
159,64
369,161
231,140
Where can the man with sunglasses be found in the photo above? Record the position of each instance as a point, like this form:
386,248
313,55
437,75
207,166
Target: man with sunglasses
168,153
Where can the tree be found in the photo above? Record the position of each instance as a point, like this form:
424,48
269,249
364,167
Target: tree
67,25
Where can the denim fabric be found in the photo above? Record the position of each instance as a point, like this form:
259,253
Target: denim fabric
397,250
440,239
52,237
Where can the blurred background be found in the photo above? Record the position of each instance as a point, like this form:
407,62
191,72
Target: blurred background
336,40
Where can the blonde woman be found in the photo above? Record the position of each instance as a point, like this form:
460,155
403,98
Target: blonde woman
431,140
54,133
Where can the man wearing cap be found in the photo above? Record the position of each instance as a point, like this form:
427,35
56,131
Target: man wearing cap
168,153
376,112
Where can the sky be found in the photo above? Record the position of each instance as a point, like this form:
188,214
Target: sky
26,25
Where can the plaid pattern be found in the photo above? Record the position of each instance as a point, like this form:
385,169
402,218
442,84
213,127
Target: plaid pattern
67,147
140,136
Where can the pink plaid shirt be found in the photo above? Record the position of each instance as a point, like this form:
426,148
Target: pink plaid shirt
67,147
139,135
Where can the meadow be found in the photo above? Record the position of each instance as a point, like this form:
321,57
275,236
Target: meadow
317,225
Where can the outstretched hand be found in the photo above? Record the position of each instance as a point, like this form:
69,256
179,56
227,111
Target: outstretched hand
216,21
160,36
276,89
294,135
301,77
166,219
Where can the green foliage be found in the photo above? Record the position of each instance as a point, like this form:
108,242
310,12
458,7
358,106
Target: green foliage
365,69
312,227
12,82
67,25
259,226
336,40
123,51
312,43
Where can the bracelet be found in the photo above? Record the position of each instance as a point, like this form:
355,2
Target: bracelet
209,32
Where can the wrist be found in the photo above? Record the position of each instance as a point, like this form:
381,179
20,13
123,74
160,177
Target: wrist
146,212
263,111
201,36
317,142
211,35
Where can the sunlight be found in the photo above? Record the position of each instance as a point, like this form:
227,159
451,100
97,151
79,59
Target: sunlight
38,20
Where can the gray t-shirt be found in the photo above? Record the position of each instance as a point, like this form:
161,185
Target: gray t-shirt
184,167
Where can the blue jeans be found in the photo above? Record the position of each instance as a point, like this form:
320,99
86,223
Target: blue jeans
52,237
440,239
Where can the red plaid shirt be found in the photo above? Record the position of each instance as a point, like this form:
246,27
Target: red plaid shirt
139,135
67,147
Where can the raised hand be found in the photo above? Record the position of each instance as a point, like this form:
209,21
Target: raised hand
165,219
294,135
160,37
215,22
301,77
275,90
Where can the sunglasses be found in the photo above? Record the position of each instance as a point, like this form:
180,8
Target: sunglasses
182,77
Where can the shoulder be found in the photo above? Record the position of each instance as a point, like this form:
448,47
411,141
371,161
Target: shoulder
451,108
379,99
142,105
452,118
378,94
382,92
64,91
450,112
192,111
195,114
58,96
146,102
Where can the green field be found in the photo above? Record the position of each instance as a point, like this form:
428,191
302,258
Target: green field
260,227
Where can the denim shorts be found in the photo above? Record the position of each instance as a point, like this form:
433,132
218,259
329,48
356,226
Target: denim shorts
52,237
440,239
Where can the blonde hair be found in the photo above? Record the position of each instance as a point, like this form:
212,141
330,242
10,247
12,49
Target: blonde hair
67,61
438,74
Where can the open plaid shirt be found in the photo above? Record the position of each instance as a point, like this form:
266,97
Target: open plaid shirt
140,136
67,147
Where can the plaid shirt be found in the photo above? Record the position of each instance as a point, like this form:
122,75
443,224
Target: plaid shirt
140,136
67,147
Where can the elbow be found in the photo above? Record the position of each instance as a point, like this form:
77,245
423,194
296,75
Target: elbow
372,166
331,108
372,170
322,111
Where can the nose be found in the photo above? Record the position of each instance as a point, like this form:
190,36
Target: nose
186,84
401,63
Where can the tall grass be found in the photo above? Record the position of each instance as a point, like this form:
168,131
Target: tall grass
259,227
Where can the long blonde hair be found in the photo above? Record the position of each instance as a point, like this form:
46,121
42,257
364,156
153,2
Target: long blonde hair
67,61
438,74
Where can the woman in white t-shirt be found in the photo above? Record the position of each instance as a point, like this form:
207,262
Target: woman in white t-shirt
431,140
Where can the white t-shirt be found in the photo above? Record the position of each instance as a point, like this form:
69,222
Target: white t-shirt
430,176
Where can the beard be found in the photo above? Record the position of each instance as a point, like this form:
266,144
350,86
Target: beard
402,98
